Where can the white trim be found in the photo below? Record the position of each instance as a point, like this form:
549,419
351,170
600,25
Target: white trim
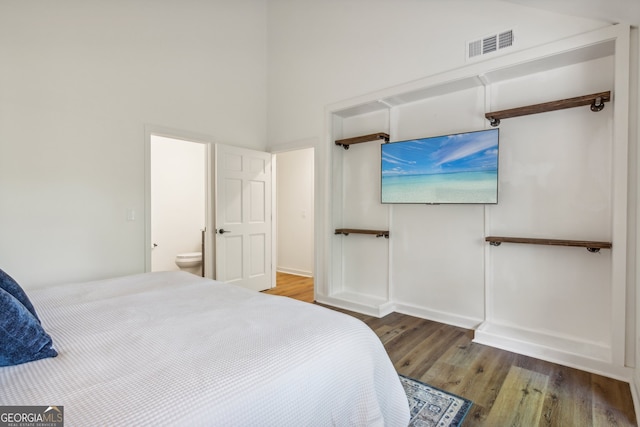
294,145
274,220
619,195
294,271
635,132
488,260
275,149
393,132
586,356
360,304
635,394
438,316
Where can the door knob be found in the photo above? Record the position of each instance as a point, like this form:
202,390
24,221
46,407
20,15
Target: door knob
222,231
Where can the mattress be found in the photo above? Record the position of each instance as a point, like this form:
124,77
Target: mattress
171,348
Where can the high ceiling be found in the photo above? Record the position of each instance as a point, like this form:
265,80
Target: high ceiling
613,11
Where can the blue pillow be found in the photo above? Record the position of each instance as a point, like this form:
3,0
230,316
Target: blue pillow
22,337
11,286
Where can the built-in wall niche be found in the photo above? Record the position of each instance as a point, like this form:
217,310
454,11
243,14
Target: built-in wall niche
562,177
360,222
556,179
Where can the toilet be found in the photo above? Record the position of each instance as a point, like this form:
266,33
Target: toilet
189,259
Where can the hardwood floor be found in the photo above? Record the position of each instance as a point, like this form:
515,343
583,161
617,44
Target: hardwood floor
297,287
507,389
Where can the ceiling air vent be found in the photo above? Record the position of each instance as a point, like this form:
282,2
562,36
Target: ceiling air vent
489,44
505,39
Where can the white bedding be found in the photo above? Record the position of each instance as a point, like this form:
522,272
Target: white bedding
172,348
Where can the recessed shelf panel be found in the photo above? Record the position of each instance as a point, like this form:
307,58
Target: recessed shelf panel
433,91
357,110
551,62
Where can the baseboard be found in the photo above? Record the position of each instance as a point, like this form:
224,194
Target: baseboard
635,393
370,306
294,271
583,355
438,316
586,356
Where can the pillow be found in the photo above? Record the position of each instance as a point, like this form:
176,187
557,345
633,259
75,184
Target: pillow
22,337
11,286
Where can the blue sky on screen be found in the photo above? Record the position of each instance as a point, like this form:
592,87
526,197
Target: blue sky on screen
463,152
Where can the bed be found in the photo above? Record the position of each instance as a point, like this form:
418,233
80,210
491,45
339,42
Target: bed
170,348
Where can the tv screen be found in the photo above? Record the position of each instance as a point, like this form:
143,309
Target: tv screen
457,168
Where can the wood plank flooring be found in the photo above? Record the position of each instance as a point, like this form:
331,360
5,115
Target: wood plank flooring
507,389
296,287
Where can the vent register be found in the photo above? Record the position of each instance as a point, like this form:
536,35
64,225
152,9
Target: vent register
489,44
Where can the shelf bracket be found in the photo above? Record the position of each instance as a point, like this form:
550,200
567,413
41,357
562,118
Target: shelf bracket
597,104
495,243
593,250
494,122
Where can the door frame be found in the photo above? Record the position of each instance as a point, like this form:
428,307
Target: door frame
153,130
275,149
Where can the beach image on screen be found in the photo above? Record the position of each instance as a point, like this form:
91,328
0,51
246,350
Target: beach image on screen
460,168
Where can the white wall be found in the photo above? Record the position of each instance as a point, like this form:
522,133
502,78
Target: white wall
321,52
634,188
178,174
295,227
80,80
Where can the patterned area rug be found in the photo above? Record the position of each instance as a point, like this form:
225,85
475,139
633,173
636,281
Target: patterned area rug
433,407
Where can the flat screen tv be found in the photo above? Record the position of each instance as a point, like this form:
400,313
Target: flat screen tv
456,168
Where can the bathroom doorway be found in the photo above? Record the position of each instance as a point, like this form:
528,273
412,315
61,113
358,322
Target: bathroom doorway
295,193
179,188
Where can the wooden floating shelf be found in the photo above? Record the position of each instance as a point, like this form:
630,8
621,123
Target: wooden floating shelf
591,246
345,143
377,233
596,101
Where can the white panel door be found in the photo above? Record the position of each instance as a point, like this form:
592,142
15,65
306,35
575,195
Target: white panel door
243,217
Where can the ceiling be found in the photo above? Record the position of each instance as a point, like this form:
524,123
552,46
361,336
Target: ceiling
613,11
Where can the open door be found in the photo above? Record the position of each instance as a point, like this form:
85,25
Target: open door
243,217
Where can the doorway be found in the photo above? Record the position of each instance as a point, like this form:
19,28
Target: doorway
179,188
295,193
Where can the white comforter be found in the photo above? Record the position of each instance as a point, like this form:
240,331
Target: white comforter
175,349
